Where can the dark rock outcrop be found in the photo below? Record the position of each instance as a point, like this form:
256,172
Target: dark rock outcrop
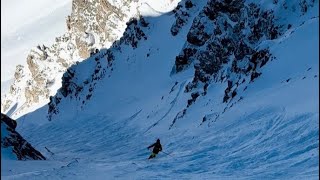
11,138
182,15
219,38
134,32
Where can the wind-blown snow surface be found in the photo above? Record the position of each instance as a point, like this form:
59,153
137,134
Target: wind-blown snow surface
272,133
25,24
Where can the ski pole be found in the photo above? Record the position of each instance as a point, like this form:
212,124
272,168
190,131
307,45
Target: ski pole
169,155
166,153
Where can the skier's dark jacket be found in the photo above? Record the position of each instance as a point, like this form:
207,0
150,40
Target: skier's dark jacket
157,147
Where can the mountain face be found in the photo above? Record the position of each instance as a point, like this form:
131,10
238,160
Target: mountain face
230,88
225,44
224,36
13,143
91,26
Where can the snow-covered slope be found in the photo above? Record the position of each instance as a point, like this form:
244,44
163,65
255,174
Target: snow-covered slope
114,104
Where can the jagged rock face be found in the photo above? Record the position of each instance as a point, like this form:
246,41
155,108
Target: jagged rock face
19,72
94,22
10,138
91,26
227,33
33,82
213,38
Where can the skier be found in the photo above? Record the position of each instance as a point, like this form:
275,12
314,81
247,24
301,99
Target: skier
157,147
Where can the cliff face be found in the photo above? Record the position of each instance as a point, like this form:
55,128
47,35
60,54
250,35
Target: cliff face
95,23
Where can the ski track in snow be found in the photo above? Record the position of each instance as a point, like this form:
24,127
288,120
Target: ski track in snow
172,103
232,151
